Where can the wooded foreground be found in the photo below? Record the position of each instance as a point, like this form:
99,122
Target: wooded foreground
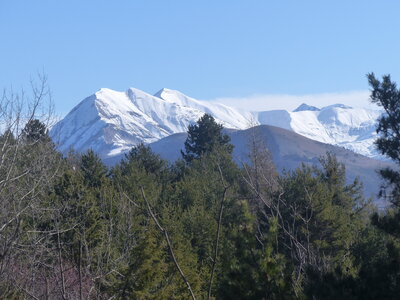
202,228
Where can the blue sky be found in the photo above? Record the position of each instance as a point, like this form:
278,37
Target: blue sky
236,50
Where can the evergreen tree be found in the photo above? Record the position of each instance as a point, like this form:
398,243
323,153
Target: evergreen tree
145,276
77,207
145,158
379,252
34,131
93,169
386,94
320,217
204,137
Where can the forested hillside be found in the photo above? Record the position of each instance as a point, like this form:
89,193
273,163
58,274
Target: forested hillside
201,228
289,151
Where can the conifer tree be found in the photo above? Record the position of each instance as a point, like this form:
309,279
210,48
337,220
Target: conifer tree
93,169
203,137
34,131
320,217
379,276
386,95
145,158
146,274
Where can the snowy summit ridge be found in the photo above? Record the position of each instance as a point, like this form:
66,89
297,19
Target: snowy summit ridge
112,122
305,107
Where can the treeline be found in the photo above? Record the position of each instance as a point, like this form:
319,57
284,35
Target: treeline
201,228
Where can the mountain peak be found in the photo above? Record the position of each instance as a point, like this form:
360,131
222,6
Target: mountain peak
338,105
111,122
177,97
105,91
107,95
306,107
164,91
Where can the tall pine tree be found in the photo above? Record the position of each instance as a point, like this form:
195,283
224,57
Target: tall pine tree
204,137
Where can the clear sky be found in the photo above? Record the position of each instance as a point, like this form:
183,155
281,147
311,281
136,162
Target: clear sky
236,50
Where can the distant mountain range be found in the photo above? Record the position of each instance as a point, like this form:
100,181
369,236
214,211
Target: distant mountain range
112,122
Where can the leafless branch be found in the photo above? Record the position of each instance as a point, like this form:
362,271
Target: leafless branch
162,229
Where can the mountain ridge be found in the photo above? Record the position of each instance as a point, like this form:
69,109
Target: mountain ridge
111,122
289,151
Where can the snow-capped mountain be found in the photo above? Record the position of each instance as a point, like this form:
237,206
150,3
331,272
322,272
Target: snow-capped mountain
112,122
341,125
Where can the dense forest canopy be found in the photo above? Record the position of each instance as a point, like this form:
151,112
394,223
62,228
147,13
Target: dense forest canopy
201,228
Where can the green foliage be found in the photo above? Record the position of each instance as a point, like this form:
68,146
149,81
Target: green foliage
326,216
376,250
93,169
379,260
146,159
34,131
204,137
274,265
304,234
380,276
146,273
78,214
386,94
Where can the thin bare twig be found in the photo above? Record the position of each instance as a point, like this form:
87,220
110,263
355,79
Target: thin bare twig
162,229
216,243
218,232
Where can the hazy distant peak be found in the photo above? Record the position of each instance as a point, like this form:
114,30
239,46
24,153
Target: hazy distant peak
305,107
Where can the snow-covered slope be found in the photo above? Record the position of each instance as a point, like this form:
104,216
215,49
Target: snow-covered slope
351,128
111,122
